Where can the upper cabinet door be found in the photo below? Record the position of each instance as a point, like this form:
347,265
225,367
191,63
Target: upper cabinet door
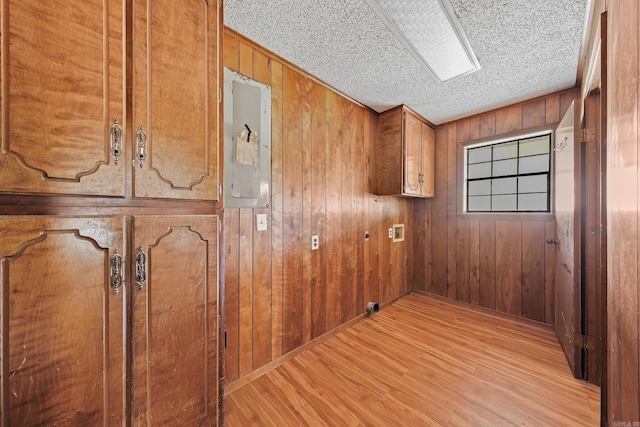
63,332
175,99
412,155
62,90
175,321
428,161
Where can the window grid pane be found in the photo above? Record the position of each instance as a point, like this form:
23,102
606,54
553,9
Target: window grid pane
511,176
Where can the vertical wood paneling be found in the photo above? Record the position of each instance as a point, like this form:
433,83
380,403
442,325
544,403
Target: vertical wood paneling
624,192
508,267
346,250
231,51
474,262
292,209
439,216
307,213
232,303
245,269
533,114
452,151
509,119
462,262
419,229
318,218
488,264
277,217
334,214
533,271
359,218
245,56
550,268
372,212
463,258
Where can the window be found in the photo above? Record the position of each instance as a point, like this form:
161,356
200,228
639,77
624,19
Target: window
509,176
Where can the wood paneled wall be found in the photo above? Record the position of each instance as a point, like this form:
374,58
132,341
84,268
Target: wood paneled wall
623,189
279,294
497,261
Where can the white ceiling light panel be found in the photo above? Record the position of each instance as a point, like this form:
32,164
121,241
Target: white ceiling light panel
431,32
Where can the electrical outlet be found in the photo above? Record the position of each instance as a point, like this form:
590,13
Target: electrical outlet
391,233
315,243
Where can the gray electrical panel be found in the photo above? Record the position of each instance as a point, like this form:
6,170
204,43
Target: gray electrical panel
247,142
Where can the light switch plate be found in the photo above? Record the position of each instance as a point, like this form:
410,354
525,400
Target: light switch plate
261,222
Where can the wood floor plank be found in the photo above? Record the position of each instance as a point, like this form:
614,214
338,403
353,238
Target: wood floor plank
423,361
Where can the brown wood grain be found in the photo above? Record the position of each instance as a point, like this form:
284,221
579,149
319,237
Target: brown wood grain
419,252
463,288
245,57
63,327
359,222
245,289
488,264
292,302
508,267
509,119
434,362
319,213
175,327
488,124
231,228
552,109
307,210
533,271
474,262
534,114
262,307
277,208
231,51
550,268
333,198
452,209
347,269
625,194
57,107
439,217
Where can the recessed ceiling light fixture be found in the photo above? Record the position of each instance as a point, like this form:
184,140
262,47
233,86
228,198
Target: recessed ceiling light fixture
432,34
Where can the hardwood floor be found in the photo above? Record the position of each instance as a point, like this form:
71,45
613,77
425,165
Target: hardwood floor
423,361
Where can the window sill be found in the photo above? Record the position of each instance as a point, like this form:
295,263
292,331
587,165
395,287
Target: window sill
507,216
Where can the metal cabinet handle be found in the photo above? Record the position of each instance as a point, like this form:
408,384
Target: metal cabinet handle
141,146
115,147
116,272
141,268
552,241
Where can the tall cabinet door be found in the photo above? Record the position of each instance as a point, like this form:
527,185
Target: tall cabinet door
62,90
175,321
175,99
62,323
412,159
428,161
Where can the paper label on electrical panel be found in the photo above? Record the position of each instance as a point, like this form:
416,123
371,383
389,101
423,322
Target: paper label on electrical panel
247,148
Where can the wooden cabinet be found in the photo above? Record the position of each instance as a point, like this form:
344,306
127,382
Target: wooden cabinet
67,346
175,321
66,86
405,154
175,99
63,330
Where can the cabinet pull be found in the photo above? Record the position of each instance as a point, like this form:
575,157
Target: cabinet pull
141,268
116,141
141,146
116,272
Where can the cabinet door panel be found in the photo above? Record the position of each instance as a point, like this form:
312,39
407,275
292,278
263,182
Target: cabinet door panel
176,98
412,147
62,88
175,322
63,329
428,161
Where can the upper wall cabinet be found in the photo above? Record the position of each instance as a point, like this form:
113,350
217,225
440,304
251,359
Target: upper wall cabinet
405,153
62,90
64,80
175,99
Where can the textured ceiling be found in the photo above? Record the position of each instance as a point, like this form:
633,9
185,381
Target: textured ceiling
525,48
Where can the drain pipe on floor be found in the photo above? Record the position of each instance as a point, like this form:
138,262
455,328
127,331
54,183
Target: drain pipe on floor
373,307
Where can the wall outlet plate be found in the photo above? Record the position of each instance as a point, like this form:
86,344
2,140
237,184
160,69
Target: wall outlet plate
315,243
391,233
